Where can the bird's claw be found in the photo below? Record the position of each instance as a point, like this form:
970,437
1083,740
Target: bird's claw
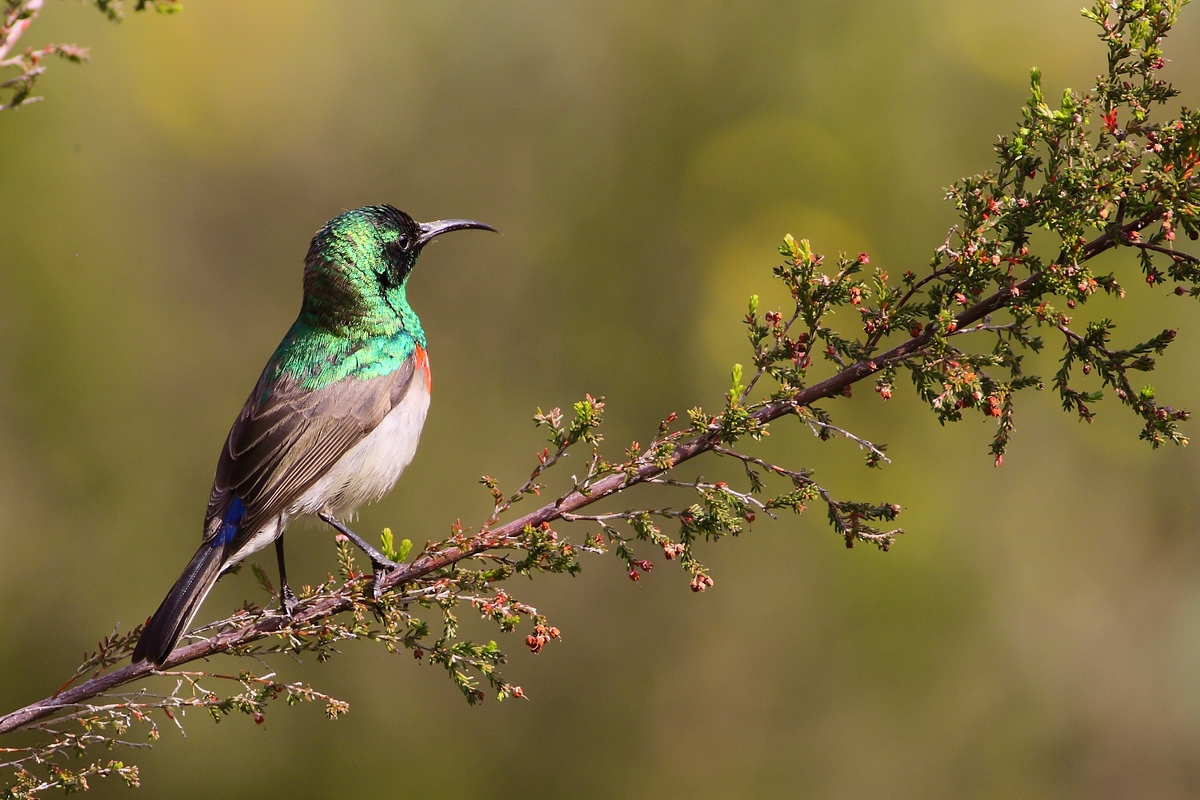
379,570
288,601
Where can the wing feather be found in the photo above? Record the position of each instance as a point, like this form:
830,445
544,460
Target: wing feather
285,439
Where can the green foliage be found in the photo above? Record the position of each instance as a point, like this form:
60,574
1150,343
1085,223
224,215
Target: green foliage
1096,172
115,9
389,549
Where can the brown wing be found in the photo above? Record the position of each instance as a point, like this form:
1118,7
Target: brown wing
282,444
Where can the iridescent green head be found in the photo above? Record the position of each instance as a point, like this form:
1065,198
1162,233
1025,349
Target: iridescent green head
358,265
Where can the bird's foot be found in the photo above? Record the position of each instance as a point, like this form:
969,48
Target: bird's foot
288,601
379,571
381,565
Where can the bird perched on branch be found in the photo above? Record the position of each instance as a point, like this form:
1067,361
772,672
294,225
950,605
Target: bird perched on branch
333,420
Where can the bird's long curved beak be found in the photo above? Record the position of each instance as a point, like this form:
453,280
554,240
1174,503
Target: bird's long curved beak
440,226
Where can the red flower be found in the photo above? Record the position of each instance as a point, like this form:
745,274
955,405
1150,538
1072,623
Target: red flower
1110,121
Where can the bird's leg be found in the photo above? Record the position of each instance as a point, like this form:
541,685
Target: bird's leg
287,598
380,564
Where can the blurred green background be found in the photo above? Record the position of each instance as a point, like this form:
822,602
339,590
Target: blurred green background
1037,631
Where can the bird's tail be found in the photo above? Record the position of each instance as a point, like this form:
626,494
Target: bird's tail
180,605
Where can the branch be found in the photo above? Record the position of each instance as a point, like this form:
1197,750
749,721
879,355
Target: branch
17,19
506,534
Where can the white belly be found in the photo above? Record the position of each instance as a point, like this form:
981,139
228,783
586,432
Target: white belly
371,468
365,473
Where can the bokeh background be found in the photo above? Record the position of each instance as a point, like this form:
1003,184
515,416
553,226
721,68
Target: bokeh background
1036,633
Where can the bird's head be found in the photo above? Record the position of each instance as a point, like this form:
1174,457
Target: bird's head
359,262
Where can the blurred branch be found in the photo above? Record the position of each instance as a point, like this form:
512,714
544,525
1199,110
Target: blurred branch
17,17
30,65
1096,189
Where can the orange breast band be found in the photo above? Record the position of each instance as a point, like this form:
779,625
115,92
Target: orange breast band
423,364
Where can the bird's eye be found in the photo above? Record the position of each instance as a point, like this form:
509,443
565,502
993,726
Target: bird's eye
403,242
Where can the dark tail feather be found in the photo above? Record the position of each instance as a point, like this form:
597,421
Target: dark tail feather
181,604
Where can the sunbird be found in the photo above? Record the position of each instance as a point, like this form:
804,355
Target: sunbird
334,419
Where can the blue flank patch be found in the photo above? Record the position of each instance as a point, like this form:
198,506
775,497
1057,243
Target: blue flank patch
229,526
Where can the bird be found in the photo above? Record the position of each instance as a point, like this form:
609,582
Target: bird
334,419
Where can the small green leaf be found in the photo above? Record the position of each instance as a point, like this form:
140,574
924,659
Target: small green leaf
389,544
735,389
388,540
261,576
